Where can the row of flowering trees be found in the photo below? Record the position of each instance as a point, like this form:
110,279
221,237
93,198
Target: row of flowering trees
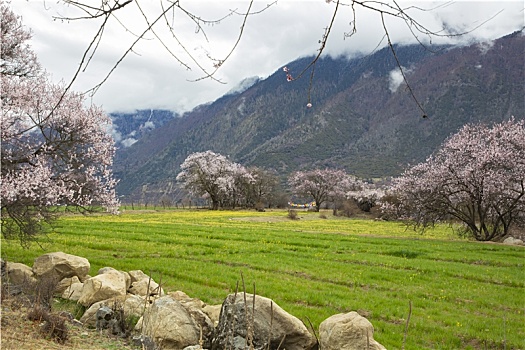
228,184
476,178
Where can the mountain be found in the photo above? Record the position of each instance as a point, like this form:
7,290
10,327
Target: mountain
128,128
362,119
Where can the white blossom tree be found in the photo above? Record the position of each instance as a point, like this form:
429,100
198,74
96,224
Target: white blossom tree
366,196
234,186
477,178
321,185
213,175
55,151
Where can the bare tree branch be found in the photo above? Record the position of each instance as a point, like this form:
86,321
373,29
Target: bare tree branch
110,8
401,68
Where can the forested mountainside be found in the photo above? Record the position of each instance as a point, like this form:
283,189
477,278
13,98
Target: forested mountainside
361,119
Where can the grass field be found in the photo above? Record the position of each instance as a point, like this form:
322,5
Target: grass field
464,295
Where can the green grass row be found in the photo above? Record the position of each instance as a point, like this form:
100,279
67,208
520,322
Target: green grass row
464,295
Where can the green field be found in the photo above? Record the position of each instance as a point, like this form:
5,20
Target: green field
464,294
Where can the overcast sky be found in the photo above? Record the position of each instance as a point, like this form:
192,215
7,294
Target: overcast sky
150,77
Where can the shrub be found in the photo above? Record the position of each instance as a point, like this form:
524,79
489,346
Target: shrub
55,328
292,214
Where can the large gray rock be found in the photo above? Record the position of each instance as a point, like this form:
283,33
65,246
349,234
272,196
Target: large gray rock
213,312
126,275
60,265
73,291
348,331
102,287
270,322
172,326
64,284
132,305
19,274
143,285
513,241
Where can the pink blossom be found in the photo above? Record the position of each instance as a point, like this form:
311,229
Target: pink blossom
55,150
477,177
322,185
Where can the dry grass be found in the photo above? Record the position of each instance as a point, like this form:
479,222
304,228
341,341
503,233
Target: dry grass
18,332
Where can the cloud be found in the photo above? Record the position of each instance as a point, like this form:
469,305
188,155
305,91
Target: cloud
117,136
128,142
485,46
149,125
149,77
243,85
395,78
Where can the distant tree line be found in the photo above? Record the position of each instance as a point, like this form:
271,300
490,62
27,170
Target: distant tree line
227,184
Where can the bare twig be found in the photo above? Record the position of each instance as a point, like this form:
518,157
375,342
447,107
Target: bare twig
271,326
400,67
252,321
241,31
313,330
146,300
233,320
312,64
282,341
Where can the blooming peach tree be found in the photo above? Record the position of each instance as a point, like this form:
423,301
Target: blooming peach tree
476,178
366,196
322,185
214,176
56,152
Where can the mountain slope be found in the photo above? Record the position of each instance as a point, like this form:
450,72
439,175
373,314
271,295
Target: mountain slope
360,120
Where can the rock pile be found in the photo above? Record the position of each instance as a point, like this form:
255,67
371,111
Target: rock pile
176,321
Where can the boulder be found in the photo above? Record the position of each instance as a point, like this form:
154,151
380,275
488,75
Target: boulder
512,241
126,275
140,283
171,325
102,287
348,331
132,305
61,265
179,295
187,300
270,323
213,312
65,283
19,274
103,317
73,291
142,342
